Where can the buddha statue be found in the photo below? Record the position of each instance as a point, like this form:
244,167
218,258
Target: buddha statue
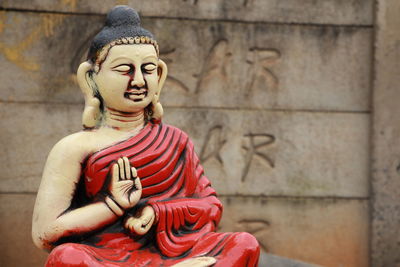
129,190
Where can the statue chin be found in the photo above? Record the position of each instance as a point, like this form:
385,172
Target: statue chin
129,190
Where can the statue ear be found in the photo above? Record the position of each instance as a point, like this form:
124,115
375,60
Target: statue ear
162,72
157,109
91,113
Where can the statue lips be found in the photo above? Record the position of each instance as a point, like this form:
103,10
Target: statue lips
135,93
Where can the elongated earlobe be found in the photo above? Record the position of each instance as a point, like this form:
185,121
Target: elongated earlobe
157,109
91,113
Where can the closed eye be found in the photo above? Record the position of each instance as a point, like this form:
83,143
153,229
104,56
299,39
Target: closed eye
149,68
123,68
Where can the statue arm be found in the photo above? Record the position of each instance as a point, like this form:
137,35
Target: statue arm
182,221
203,203
198,197
194,211
190,214
52,218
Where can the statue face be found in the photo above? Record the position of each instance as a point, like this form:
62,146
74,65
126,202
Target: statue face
128,79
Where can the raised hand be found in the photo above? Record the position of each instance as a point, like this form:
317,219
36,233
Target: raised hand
142,222
123,190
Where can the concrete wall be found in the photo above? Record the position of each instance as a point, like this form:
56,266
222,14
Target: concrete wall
385,195
276,97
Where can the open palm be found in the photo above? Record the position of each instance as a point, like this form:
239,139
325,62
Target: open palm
125,186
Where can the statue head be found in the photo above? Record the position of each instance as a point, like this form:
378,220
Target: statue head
123,70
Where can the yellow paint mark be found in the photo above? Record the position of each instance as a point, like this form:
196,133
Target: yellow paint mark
71,3
15,52
49,22
121,2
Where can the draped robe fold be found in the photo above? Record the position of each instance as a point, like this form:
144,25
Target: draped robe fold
186,207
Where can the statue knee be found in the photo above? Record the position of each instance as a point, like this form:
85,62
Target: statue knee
68,253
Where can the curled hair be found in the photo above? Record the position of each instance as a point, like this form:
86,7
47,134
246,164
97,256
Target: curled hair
122,26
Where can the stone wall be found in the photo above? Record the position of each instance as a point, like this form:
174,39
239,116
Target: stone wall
275,95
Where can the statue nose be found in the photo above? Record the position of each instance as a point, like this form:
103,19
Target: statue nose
138,79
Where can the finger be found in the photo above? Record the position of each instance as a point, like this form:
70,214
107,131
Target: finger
138,184
127,168
130,223
134,172
133,224
115,173
121,168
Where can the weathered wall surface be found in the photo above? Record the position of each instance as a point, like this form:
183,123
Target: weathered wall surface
386,138
275,95
337,12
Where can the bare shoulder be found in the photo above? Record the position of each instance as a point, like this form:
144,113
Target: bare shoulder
76,145
65,159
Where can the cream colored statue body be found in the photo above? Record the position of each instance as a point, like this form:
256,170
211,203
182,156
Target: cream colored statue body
123,117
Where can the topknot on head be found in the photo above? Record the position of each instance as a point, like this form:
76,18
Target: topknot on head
122,16
122,26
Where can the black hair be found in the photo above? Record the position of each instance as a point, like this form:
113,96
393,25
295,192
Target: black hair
121,22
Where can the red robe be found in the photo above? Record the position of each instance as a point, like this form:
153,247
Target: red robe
186,207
